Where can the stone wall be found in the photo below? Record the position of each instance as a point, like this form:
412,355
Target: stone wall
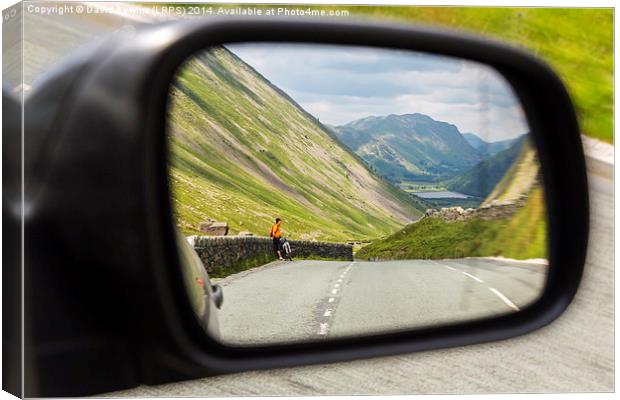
224,255
487,212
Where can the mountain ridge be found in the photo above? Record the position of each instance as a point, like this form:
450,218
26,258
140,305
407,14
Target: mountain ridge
489,149
409,146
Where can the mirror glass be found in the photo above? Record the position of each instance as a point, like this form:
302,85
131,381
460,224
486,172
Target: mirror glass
334,191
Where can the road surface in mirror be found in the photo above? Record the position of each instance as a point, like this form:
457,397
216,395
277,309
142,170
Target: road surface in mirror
302,300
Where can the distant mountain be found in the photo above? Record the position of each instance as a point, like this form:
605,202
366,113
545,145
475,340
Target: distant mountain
409,146
481,179
242,151
488,149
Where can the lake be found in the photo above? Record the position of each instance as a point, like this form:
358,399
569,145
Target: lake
441,194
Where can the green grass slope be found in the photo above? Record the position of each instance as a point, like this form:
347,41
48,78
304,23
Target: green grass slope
243,152
523,236
519,179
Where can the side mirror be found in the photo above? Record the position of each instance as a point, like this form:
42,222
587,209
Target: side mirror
109,283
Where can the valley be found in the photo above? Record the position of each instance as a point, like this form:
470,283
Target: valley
243,152
422,155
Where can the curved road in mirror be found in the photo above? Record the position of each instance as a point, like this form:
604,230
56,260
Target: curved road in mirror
309,300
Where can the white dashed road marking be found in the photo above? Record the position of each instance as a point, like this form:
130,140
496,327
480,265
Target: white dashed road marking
504,299
329,312
499,294
472,277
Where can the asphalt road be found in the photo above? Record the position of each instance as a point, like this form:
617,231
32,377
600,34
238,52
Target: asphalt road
313,300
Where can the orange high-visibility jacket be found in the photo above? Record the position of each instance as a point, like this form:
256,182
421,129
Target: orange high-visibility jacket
275,230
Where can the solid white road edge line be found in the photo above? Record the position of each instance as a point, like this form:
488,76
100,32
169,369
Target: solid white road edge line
504,299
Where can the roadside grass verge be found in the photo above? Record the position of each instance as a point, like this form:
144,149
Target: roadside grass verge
523,236
242,265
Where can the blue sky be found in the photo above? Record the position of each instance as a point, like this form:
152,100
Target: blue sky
339,84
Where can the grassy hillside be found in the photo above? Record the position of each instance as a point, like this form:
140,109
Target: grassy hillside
520,178
523,236
481,179
243,152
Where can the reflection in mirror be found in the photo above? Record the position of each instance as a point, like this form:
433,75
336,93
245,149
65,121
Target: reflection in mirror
335,191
